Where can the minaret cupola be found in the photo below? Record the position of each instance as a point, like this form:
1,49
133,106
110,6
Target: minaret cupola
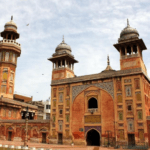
10,30
63,62
130,47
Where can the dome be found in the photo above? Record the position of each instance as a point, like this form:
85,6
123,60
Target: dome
11,24
128,32
63,47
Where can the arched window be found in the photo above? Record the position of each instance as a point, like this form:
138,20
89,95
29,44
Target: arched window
123,51
128,50
92,103
59,64
134,49
9,36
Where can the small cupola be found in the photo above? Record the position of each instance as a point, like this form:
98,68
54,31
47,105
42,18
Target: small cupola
10,30
128,33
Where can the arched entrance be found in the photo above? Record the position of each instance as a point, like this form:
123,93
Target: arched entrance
93,138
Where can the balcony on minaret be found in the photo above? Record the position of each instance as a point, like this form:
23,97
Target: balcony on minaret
6,41
130,51
63,62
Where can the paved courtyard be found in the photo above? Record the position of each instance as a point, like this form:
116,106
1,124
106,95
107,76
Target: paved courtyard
53,147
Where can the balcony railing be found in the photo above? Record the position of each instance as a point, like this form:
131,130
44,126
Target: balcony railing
10,42
129,56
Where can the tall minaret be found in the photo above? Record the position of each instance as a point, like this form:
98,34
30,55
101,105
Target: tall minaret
63,62
9,51
130,47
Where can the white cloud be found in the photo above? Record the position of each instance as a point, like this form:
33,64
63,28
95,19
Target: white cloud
90,28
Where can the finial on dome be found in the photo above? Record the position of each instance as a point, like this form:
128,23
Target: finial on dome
108,62
11,17
63,40
128,22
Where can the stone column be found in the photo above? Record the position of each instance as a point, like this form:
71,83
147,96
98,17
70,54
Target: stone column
56,64
131,49
138,50
65,63
61,64
11,37
120,52
53,65
125,51
73,67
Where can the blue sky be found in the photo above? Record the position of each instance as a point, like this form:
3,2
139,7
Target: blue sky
90,27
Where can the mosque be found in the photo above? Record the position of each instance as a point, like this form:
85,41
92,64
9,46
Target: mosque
85,110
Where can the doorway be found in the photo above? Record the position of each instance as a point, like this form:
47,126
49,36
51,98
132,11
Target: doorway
131,139
60,138
93,138
43,137
9,135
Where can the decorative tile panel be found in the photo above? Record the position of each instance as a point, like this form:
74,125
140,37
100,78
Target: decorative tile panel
107,86
95,91
127,80
139,105
128,89
121,134
119,106
87,128
141,134
61,89
61,97
92,119
54,92
138,96
120,115
67,91
140,124
140,114
118,85
60,124
137,83
130,124
119,98
120,124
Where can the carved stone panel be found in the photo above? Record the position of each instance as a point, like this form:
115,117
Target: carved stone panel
92,119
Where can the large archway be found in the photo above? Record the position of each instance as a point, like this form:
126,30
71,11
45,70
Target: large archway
93,138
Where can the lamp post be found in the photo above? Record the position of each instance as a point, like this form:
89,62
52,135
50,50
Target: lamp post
26,122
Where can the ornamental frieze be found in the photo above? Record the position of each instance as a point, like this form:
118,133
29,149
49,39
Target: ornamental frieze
107,86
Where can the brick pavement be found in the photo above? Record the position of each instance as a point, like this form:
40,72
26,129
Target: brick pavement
54,147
